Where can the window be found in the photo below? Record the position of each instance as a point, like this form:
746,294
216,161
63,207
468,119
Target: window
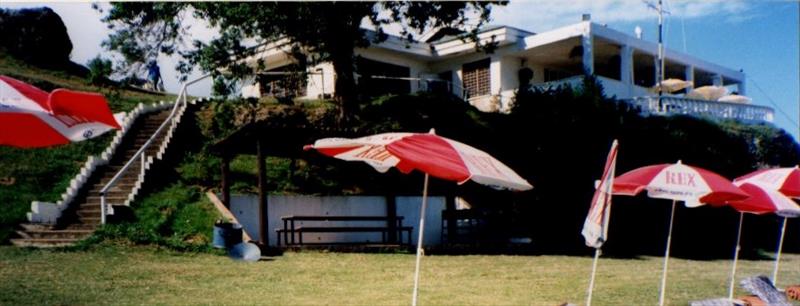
379,78
476,78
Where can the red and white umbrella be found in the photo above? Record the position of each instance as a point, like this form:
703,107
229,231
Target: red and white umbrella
31,117
784,180
677,182
761,201
787,182
432,154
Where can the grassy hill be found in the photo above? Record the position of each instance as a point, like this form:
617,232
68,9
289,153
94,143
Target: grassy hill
43,174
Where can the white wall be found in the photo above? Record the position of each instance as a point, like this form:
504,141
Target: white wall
318,81
245,208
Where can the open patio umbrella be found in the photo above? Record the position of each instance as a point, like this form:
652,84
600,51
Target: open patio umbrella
671,85
432,154
761,201
787,182
677,182
735,99
711,93
31,117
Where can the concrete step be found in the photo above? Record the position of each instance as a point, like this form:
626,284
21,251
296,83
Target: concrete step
56,234
84,213
92,221
35,226
109,199
43,243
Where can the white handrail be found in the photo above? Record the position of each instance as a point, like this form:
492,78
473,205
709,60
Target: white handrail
140,152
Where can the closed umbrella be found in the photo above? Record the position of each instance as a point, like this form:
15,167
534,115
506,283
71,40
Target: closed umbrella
761,201
432,154
677,182
32,118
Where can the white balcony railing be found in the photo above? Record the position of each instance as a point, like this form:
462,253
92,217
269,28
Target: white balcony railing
670,105
715,109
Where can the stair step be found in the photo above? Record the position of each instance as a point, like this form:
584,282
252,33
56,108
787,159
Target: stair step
43,243
35,226
84,213
80,226
112,199
89,220
57,234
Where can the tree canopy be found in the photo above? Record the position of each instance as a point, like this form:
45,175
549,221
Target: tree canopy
317,31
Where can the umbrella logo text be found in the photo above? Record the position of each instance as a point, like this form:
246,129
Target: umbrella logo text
377,153
685,179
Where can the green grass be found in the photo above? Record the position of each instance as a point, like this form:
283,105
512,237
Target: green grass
120,274
43,174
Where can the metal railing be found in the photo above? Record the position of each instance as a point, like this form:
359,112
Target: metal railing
180,101
714,109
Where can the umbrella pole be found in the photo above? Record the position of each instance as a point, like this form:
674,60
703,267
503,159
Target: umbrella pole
419,239
666,258
735,257
778,255
591,280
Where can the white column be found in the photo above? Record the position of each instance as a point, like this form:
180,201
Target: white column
458,83
626,65
742,88
495,75
717,80
689,76
588,53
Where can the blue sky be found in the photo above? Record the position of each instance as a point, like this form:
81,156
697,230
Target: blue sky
760,37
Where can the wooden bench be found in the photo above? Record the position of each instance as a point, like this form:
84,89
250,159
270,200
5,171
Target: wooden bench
394,225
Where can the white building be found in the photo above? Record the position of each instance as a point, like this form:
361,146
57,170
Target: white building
441,61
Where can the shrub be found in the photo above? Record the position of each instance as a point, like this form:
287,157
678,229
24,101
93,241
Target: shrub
99,71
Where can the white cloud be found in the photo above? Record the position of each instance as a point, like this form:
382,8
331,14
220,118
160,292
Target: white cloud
543,15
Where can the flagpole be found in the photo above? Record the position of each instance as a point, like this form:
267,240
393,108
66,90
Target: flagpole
778,255
591,280
666,258
735,257
419,239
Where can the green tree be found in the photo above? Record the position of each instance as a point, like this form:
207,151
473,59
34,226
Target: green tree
317,31
99,70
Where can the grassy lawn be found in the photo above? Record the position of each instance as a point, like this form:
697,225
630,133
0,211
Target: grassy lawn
145,275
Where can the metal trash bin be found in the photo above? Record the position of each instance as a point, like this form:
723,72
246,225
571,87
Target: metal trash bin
226,235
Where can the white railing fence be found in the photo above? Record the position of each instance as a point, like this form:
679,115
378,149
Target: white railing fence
140,156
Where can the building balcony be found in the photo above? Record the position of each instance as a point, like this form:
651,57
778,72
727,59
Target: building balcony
646,103
714,109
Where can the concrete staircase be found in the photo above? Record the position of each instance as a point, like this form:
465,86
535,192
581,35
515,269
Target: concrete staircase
82,215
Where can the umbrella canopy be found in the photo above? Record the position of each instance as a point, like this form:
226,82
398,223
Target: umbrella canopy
711,93
695,186
762,201
30,117
677,182
671,85
787,182
735,99
432,154
784,180
438,156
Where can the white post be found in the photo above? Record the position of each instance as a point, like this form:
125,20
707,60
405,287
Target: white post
778,255
419,238
591,279
735,257
141,170
588,50
666,258
102,208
